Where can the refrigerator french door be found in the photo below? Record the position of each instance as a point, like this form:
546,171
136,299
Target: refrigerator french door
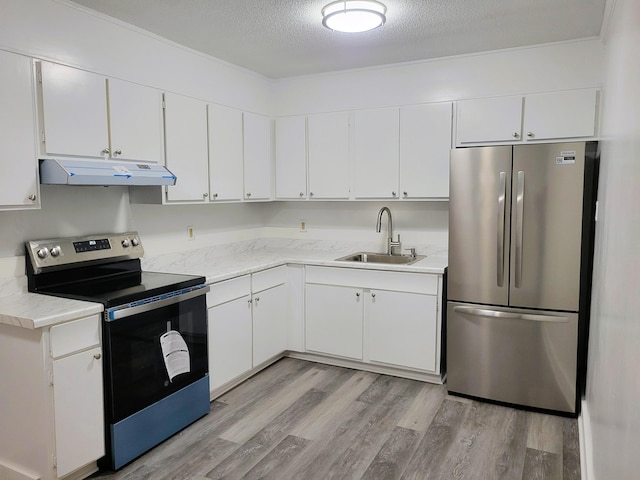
520,248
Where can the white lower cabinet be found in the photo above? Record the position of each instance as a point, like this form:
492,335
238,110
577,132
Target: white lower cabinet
377,317
229,338
401,328
52,423
247,324
334,320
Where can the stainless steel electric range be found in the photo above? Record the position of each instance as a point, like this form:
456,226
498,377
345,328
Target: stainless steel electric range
154,335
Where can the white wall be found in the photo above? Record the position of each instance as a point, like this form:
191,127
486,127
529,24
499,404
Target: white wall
612,414
529,70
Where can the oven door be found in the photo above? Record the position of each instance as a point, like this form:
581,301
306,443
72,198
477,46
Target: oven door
153,348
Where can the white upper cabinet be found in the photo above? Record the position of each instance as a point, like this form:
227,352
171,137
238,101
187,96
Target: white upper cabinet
135,122
225,153
376,138
425,145
74,112
560,115
18,157
291,157
257,157
489,120
86,115
530,118
328,137
186,148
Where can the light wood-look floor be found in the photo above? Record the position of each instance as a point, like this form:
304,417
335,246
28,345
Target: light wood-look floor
303,420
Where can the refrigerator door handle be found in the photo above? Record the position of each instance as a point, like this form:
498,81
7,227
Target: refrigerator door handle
519,228
482,312
500,230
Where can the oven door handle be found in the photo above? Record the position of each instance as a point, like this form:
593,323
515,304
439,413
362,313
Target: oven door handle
119,312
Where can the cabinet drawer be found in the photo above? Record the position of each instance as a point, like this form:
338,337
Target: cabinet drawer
228,290
74,336
375,279
268,278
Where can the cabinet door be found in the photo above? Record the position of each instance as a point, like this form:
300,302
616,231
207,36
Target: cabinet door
489,120
225,153
291,157
334,320
425,144
229,331
269,323
257,157
74,111
560,115
186,147
135,122
402,328
18,158
376,151
328,136
78,410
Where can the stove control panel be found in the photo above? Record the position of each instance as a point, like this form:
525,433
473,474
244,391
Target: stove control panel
69,251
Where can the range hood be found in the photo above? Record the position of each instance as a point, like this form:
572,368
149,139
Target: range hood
62,171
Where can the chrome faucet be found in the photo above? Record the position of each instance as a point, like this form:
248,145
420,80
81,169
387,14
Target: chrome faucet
390,242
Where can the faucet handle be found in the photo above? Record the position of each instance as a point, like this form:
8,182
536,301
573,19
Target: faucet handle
412,250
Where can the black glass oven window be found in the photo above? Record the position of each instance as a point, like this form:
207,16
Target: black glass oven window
137,375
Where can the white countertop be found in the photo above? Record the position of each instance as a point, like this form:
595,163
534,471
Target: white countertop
216,263
32,310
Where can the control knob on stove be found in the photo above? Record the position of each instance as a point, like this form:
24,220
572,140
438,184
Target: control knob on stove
135,242
126,243
56,251
43,252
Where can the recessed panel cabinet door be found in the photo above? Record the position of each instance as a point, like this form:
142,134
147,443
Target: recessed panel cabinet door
225,153
186,148
257,157
376,151
328,155
78,410
291,157
18,158
135,122
334,320
425,145
74,110
269,323
229,329
402,328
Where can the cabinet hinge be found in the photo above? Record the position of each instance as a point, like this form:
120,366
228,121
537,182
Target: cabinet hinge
163,103
54,461
42,137
39,76
50,378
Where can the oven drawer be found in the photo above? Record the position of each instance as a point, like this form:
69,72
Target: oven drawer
74,336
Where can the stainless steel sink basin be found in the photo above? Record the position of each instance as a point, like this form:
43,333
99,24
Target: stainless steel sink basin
369,257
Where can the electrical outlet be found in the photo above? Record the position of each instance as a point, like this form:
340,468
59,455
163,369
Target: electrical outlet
191,233
303,225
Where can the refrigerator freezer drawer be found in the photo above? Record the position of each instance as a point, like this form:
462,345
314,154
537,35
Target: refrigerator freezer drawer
519,356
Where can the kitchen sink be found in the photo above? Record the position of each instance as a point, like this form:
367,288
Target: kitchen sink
369,257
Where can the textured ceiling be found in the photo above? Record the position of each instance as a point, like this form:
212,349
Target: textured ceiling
282,38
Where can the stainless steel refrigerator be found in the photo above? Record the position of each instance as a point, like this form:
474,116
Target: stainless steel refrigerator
521,226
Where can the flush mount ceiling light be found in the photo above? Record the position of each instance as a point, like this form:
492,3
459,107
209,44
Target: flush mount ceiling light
354,16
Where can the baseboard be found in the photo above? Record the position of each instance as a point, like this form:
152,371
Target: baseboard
13,472
586,443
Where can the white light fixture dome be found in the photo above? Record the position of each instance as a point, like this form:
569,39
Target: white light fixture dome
354,16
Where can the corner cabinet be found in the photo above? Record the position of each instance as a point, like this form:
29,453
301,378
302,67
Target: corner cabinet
384,319
52,399
514,119
19,188
247,326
